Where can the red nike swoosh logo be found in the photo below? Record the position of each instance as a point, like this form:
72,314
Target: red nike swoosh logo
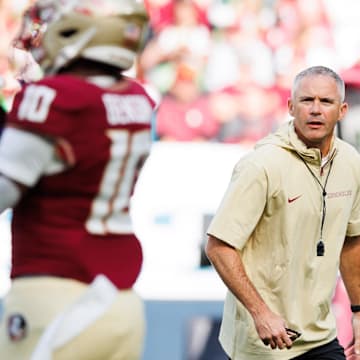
290,200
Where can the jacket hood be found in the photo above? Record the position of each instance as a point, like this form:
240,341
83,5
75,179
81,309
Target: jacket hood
286,138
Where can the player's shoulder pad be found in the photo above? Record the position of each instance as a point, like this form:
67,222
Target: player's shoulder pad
137,87
71,93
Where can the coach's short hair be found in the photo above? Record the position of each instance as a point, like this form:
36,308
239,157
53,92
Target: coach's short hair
319,70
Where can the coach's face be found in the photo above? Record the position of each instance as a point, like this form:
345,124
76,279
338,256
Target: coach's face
316,106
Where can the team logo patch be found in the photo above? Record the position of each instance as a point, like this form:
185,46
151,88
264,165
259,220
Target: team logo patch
16,327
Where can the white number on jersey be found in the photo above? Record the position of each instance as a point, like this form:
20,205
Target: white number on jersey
110,208
36,103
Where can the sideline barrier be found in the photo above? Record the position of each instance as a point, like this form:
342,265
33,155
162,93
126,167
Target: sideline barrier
177,193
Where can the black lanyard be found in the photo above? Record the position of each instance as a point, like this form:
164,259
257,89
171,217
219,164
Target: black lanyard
320,247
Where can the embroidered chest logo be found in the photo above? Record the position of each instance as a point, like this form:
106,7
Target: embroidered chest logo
290,200
339,194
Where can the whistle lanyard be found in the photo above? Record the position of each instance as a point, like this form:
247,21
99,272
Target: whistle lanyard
320,247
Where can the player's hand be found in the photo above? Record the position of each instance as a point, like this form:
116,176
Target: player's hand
272,331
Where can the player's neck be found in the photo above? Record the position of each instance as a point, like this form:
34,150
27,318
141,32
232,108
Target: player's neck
86,69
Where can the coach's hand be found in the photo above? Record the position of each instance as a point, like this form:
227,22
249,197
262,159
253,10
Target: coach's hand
352,352
272,330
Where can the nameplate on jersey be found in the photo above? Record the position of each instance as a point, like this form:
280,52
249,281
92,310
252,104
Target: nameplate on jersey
127,109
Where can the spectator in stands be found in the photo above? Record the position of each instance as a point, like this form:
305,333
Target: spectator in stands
183,43
184,113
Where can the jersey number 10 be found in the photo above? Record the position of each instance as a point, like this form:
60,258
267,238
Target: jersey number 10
109,211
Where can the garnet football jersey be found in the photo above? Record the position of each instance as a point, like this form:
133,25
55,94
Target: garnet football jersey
75,221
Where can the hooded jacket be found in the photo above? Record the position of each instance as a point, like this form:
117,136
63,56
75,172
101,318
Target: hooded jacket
272,213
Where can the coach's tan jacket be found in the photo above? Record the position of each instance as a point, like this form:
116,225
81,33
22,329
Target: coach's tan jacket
271,213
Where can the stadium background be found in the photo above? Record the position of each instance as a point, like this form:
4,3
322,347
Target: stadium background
220,71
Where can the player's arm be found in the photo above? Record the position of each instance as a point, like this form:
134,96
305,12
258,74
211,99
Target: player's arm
350,272
10,192
24,156
228,263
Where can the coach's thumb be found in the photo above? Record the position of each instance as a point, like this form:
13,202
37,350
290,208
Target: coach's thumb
357,348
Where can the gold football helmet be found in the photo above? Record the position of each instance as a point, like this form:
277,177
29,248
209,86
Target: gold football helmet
58,32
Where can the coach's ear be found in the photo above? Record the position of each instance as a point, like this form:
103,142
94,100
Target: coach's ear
343,110
290,107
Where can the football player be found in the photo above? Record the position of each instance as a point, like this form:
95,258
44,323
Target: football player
70,154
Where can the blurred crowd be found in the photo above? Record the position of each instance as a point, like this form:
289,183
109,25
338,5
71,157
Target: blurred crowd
219,70
222,68
16,66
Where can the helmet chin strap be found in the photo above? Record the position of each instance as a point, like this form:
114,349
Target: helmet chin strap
71,51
